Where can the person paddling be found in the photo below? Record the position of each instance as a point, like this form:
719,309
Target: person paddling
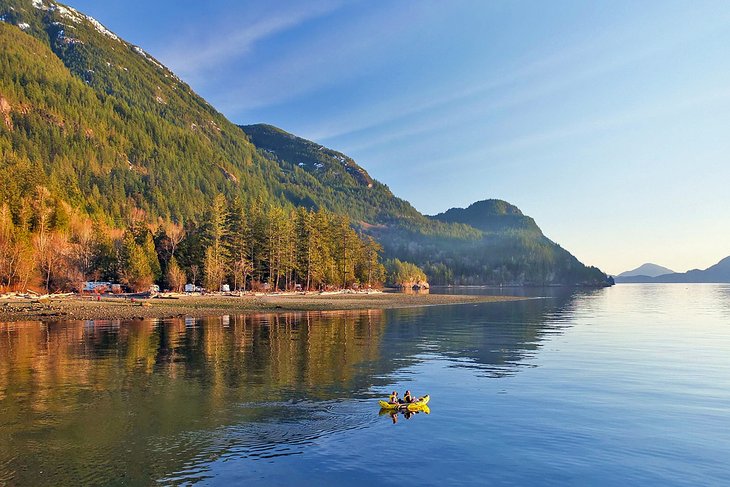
407,397
393,398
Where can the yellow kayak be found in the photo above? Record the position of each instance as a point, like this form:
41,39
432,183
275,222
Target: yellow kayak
422,409
411,406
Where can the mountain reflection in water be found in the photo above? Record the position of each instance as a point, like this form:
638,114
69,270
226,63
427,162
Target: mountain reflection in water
98,402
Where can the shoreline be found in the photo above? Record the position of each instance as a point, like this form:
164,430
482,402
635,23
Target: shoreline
84,308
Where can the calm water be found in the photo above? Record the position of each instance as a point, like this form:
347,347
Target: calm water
622,386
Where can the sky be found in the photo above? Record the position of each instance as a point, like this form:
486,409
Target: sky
605,121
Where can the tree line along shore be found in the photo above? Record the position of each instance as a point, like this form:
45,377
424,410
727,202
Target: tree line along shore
47,245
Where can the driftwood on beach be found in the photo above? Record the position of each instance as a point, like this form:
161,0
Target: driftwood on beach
32,295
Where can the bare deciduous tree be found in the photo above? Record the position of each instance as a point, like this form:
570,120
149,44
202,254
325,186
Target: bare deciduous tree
175,233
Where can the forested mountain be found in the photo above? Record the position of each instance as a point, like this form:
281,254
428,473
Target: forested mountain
113,169
491,216
335,182
107,128
490,242
95,133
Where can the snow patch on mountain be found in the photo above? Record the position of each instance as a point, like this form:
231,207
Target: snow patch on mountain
75,16
142,53
100,28
68,13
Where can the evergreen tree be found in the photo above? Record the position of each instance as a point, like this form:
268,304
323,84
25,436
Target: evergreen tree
134,267
302,232
369,270
151,254
238,246
216,259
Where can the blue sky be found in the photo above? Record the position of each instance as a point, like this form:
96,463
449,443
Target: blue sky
605,121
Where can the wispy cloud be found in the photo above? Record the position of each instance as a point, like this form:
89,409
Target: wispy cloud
546,73
351,46
579,130
473,106
201,49
415,105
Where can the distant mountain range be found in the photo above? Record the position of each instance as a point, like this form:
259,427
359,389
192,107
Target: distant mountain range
719,272
648,269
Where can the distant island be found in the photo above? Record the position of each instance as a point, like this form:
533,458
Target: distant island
648,269
718,273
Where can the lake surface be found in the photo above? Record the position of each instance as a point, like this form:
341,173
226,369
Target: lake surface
622,386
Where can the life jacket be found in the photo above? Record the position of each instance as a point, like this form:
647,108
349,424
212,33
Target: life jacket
393,398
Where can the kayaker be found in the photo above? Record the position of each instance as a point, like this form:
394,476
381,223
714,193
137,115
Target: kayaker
393,398
408,398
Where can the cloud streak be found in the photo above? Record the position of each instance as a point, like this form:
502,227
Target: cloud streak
200,51
423,113
342,52
583,128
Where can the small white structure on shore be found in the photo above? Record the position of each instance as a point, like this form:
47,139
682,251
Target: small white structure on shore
225,288
101,287
90,286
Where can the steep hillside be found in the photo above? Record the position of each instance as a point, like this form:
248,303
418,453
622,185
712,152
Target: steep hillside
106,128
109,129
491,242
351,189
329,165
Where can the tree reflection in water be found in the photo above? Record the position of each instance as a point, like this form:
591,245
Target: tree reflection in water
101,402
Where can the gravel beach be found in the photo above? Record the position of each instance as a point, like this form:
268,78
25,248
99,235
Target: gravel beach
88,308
